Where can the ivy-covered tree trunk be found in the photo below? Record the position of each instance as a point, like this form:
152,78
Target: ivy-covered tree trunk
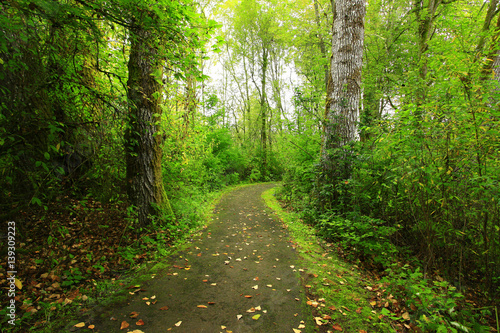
344,89
143,142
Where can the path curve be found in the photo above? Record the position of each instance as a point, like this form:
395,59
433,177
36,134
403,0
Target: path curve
239,276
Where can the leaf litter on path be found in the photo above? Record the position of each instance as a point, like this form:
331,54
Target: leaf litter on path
218,285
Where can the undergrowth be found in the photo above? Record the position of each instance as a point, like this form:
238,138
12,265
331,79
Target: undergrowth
404,300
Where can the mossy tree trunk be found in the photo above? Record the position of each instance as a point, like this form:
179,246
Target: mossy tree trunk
143,139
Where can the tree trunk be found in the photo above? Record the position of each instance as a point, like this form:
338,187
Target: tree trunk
263,112
344,90
321,43
425,12
143,144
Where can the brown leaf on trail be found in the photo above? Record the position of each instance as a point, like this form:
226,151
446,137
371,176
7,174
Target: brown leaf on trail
248,296
406,316
211,303
140,322
124,325
337,327
362,331
164,308
91,327
133,314
332,308
358,310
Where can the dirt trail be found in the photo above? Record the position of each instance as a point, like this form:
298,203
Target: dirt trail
243,260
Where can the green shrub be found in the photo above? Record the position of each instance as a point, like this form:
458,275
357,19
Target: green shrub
434,306
365,236
255,175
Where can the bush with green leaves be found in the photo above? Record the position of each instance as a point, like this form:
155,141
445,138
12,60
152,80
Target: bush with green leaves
366,237
434,305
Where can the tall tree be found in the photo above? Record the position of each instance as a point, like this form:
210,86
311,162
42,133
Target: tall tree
255,33
144,144
344,89
164,35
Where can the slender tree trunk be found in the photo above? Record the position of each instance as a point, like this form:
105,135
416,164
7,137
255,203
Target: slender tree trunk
263,112
425,11
493,55
191,104
143,144
322,46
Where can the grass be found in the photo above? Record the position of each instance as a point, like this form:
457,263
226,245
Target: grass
339,293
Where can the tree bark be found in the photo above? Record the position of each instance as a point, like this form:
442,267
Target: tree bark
143,142
344,89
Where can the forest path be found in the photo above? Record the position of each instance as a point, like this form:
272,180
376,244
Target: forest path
239,276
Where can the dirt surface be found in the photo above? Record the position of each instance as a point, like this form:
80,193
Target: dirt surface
240,275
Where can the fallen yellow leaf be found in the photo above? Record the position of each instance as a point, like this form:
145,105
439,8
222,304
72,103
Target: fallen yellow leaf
18,284
82,324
